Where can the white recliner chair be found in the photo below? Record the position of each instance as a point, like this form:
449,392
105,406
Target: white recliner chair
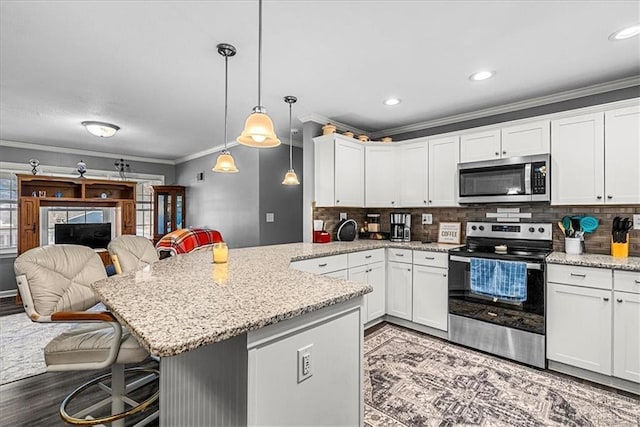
130,253
54,283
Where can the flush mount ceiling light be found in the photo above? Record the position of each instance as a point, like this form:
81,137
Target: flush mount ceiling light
258,129
391,101
225,162
625,33
290,178
101,129
481,75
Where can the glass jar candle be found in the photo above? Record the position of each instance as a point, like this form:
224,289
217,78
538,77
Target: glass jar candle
220,252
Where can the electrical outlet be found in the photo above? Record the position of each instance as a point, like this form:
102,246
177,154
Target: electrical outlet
305,369
270,217
343,215
636,222
427,219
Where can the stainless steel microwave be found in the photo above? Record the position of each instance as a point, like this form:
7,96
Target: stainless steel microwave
510,180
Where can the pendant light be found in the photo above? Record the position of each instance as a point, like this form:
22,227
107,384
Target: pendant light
258,129
225,162
290,177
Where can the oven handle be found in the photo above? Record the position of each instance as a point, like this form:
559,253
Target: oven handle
530,266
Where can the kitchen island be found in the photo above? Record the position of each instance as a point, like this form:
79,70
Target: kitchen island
249,342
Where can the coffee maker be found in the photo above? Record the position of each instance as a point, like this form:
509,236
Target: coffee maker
400,227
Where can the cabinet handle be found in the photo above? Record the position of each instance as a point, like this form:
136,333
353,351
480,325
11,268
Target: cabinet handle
497,154
408,269
599,197
609,197
444,275
337,201
322,265
399,254
605,298
504,152
424,201
430,257
392,202
638,282
430,201
578,275
34,227
619,300
368,256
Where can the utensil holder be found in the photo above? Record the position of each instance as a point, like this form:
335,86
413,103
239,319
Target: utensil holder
620,250
573,245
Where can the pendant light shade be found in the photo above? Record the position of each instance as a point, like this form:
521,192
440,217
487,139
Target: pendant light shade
258,129
290,178
225,162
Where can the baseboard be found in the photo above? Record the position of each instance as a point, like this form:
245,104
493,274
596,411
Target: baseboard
595,377
417,327
8,294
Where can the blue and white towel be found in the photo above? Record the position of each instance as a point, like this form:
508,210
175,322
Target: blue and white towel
505,280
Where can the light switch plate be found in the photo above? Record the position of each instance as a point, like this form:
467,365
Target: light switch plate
636,222
305,363
270,217
427,219
343,215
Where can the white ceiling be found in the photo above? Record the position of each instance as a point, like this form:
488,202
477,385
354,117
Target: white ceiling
151,67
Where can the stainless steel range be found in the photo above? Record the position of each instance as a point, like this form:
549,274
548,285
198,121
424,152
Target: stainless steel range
497,290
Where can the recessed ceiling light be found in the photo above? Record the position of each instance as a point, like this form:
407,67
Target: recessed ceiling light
625,33
391,101
101,129
481,75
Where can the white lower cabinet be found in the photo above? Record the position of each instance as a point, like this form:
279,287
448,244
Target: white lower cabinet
430,296
340,274
579,327
374,302
399,289
626,336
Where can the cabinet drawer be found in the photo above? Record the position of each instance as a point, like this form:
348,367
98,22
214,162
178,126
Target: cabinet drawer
626,281
600,278
365,257
431,259
400,255
321,265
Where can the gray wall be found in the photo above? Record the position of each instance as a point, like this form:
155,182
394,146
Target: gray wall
236,204
284,201
22,155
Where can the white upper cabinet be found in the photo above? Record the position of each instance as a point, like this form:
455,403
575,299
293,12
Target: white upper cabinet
339,171
444,154
478,146
526,139
577,160
413,174
622,155
381,186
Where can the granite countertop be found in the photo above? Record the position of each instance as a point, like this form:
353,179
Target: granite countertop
595,260
314,250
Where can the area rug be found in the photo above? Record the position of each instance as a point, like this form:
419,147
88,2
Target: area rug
412,379
22,343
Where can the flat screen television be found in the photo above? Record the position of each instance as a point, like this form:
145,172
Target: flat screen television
96,236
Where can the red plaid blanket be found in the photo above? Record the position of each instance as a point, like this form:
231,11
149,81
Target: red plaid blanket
186,240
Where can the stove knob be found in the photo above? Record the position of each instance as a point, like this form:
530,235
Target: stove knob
481,228
473,227
541,229
531,229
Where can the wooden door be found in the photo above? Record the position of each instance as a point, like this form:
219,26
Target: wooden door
28,224
128,217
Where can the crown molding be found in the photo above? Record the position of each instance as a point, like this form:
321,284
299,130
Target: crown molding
30,146
322,120
534,102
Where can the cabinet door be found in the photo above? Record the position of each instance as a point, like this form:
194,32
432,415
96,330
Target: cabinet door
579,327
381,189
128,217
622,155
324,171
626,336
399,290
29,228
480,146
359,275
577,160
430,296
444,154
349,174
413,174
526,139
376,300
340,274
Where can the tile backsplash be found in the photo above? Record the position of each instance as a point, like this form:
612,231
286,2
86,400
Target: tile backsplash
598,242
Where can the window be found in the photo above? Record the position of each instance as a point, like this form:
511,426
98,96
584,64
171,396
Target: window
9,203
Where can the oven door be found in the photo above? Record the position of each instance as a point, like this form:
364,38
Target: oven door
527,315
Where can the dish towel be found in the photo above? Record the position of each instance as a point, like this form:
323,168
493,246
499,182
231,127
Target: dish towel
505,280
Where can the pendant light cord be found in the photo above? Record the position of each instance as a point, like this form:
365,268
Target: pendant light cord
259,52
290,139
226,87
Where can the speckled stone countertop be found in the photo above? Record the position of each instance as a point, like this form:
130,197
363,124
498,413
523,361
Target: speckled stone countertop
310,250
595,260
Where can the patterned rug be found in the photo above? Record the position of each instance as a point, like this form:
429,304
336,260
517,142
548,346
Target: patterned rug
412,379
